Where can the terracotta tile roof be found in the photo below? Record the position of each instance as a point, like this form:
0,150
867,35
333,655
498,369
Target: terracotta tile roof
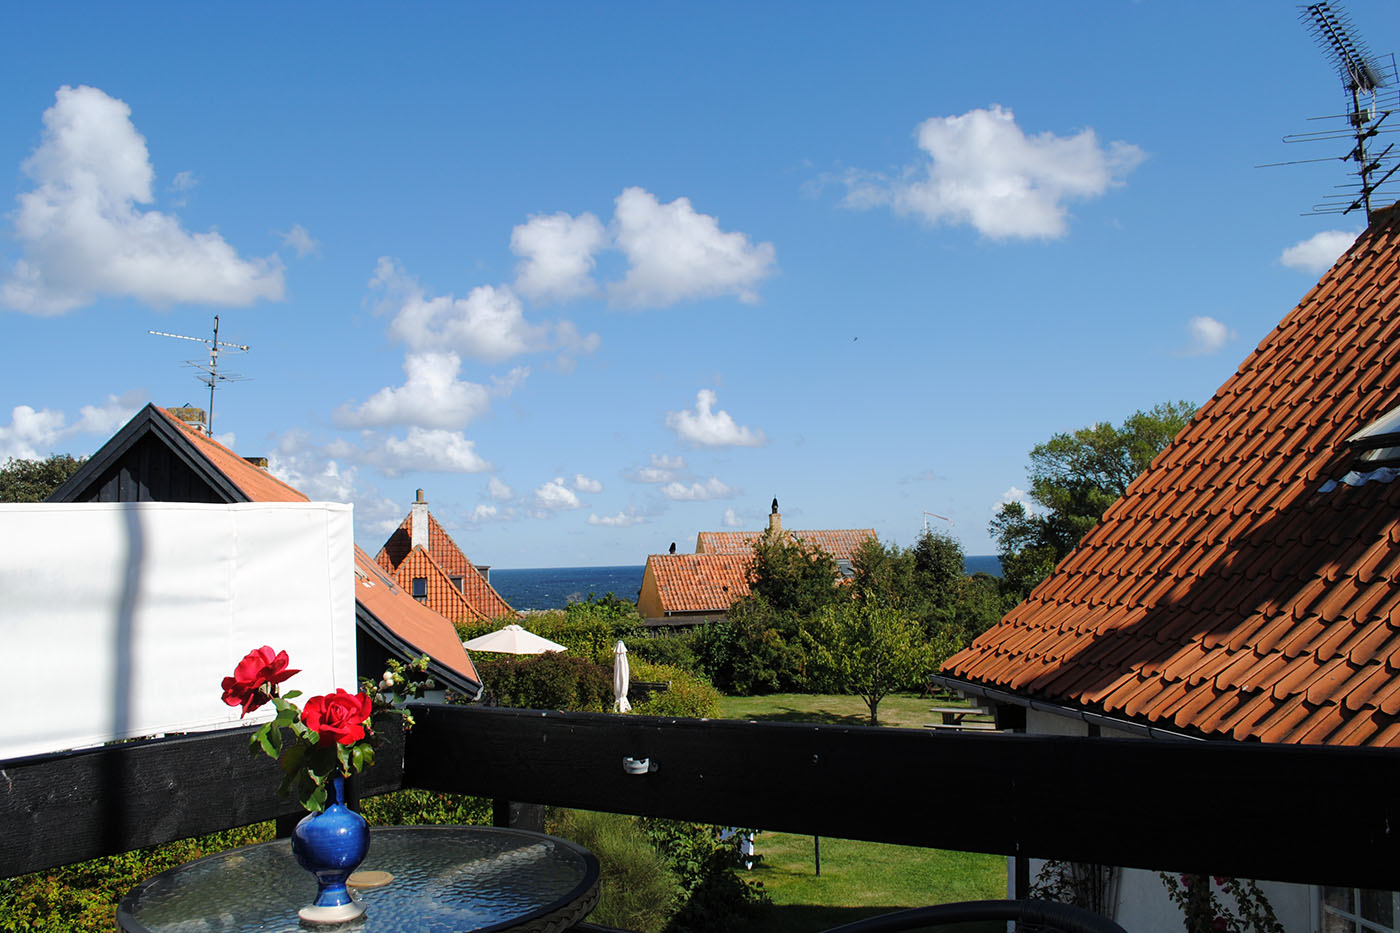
1237,590
441,594
420,627
698,582
477,598
256,483
840,544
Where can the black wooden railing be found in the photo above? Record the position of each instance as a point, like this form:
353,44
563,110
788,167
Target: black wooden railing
1284,813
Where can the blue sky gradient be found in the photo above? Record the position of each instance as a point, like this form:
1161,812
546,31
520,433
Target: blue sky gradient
598,277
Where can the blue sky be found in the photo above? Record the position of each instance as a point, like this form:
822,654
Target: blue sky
598,277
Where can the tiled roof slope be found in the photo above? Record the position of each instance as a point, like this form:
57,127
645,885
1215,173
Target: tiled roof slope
481,599
416,624
442,596
257,484
1233,592
840,544
699,582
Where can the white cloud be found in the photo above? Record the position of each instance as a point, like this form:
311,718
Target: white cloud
31,434
622,519
676,254
499,490
1316,254
34,435
731,519
432,396
556,496
709,428
490,513
585,484
302,465
557,255
83,236
712,488
1207,335
434,451
300,240
662,469
984,171
489,324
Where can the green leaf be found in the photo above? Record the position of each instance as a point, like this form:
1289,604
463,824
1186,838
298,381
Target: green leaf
291,695
315,801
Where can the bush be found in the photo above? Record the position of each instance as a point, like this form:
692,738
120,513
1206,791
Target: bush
638,891
713,894
689,696
552,680
414,807
756,650
676,649
84,896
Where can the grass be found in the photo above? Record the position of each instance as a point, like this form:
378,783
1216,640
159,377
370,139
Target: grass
904,710
859,879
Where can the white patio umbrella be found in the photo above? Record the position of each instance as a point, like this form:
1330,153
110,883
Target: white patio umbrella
512,640
621,674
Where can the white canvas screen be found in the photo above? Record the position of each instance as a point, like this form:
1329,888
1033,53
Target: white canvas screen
121,619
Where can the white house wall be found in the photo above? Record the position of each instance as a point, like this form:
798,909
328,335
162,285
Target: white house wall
121,619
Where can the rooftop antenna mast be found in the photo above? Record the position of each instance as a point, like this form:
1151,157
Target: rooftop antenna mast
1363,78
928,515
209,372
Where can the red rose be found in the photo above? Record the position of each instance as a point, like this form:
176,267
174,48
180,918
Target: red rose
338,717
258,668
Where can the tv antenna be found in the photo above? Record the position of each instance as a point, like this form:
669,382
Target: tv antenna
209,372
928,515
1363,79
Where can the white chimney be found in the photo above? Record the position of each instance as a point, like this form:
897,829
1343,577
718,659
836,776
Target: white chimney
418,523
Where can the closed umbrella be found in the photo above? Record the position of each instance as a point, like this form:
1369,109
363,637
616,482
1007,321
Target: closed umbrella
620,678
512,640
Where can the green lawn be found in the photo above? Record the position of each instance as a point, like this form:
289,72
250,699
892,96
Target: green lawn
859,879
905,710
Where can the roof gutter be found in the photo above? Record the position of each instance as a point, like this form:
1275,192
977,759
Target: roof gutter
1068,712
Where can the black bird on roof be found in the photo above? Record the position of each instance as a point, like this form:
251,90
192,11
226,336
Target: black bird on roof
775,505
673,547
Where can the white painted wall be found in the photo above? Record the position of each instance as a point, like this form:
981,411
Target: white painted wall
120,619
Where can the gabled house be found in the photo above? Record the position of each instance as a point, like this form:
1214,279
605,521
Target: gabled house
1246,587
159,458
423,559
688,589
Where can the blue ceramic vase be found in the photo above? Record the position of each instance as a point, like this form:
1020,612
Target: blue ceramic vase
330,845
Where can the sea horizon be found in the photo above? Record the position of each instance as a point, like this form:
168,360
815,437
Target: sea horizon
540,588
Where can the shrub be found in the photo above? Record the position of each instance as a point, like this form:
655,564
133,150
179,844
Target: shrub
413,807
756,650
713,894
638,891
689,695
676,649
552,680
84,896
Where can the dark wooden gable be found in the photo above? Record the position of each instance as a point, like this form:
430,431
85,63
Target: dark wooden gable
148,460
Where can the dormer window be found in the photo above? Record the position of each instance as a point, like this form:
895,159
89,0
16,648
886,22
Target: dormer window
457,581
420,589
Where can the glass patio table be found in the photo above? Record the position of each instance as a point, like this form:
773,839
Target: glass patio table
444,879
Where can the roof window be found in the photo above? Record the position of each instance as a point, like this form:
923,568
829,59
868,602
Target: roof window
420,589
1378,444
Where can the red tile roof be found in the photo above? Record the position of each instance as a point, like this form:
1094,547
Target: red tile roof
477,598
1237,590
697,582
257,484
840,544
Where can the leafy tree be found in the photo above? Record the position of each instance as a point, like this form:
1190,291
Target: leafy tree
872,650
792,575
756,649
35,480
1074,478
930,583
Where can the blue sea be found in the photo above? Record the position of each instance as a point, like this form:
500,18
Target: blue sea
555,587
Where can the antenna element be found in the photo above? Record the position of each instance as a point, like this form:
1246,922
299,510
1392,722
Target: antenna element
209,372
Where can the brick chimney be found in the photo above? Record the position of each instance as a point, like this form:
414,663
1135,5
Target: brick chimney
418,523
191,415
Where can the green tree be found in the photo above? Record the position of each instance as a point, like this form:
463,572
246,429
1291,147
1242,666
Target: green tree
36,480
792,575
1074,478
872,650
930,583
